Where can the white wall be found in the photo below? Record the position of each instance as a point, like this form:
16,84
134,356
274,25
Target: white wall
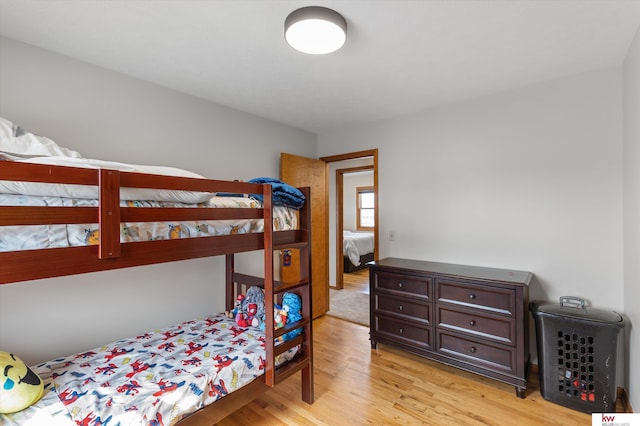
631,151
529,179
110,116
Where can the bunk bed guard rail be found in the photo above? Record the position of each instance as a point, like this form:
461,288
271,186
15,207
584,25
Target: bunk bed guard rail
110,253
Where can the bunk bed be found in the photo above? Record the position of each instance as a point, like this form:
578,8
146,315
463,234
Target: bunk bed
281,357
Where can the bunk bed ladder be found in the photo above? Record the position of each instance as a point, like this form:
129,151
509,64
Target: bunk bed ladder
269,289
304,362
274,290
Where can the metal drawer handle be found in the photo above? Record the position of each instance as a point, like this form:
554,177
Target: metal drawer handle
472,349
472,296
400,307
400,285
401,330
472,323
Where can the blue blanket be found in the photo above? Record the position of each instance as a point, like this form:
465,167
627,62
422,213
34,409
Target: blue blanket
281,193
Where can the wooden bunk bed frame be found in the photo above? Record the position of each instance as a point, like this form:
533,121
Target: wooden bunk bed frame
111,254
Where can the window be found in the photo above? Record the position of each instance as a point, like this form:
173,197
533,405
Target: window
366,208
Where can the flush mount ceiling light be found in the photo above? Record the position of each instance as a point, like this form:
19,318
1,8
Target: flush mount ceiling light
315,30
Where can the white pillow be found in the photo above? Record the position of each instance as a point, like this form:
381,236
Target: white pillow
87,191
16,143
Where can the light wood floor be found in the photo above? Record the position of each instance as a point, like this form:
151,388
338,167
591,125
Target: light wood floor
355,385
357,281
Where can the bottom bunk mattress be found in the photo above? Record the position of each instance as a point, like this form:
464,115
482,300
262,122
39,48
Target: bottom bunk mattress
155,378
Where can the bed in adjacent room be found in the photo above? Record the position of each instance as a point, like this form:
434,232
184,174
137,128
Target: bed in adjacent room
358,248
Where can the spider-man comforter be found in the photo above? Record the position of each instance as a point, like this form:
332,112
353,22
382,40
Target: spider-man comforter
156,378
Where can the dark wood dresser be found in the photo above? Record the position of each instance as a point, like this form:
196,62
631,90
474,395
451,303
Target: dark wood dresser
468,317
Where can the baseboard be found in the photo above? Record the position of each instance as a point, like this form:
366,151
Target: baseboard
533,369
621,393
624,400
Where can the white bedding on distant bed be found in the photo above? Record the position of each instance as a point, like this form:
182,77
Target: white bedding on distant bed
357,244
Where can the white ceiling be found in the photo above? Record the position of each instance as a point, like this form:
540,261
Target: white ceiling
400,56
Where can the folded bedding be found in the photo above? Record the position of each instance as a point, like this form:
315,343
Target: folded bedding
13,238
281,193
158,377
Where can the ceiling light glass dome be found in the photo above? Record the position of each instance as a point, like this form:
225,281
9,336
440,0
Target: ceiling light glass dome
315,30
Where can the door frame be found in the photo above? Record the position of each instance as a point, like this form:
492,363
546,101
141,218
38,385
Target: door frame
339,208
340,220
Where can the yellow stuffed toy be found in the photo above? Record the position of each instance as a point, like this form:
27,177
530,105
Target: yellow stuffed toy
19,385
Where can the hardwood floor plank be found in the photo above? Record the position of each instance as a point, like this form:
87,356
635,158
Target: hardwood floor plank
357,281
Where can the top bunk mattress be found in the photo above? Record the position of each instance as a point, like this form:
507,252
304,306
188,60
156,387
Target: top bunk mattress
33,185
14,238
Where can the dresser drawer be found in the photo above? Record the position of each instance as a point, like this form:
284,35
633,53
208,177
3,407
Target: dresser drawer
492,299
500,329
495,357
400,283
386,304
401,331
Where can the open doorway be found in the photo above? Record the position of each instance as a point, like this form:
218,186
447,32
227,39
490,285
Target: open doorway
355,221
353,200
